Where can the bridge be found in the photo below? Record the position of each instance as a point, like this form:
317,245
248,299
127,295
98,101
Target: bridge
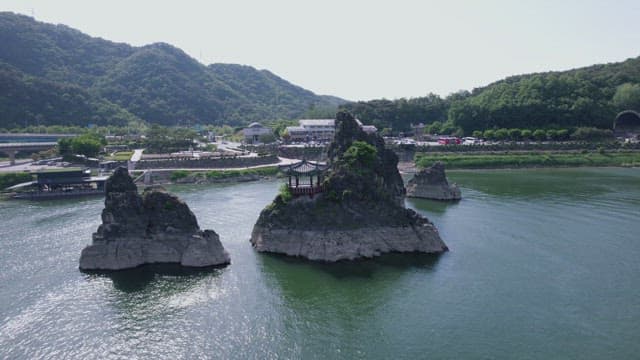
12,148
32,137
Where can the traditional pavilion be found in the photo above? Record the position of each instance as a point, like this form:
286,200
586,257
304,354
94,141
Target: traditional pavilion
305,177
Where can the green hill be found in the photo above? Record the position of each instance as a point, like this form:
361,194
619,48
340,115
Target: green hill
53,66
574,98
28,100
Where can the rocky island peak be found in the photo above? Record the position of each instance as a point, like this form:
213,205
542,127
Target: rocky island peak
359,211
155,227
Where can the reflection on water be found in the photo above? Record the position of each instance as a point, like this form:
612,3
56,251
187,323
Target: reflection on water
137,279
540,183
432,206
328,305
361,268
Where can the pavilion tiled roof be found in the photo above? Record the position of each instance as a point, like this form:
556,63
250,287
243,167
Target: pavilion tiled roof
304,167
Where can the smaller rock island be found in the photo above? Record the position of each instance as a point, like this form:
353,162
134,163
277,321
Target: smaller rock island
431,183
155,227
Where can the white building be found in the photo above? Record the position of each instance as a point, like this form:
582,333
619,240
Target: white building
253,132
369,129
321,130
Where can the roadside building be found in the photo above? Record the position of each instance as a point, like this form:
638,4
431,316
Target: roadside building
254,131
321,130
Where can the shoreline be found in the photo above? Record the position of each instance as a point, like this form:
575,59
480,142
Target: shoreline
527,161
199,177
413,170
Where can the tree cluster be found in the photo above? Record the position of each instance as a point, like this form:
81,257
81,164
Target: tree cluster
400,114
89,145
581,133
586,97
161,139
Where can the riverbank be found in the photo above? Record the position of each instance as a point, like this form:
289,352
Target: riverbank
213,176
530,160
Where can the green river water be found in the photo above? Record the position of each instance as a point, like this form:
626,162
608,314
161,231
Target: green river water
544,264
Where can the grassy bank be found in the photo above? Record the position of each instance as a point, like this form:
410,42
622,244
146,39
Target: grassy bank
538,159
225,174
120,156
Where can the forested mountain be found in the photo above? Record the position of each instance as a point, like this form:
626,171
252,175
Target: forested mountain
50,67
27,100
589,96
269,90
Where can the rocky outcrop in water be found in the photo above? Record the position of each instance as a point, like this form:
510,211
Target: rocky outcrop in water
431,183
359,214
155,227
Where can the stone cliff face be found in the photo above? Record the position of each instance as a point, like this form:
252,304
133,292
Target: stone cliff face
431,183
361,212
155,227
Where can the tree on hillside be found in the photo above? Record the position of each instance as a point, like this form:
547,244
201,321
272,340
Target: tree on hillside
540,135
434,128
267,138
562,134
627,97
360,155
86,146
489,134
591,133
64,146
448,128
515,134
501,134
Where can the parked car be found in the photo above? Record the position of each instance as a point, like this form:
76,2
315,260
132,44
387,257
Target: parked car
471,141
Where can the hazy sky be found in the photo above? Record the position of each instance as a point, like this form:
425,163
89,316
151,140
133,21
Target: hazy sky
361,50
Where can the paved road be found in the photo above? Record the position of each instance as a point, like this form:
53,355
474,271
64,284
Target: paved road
283,161
26,166
229,146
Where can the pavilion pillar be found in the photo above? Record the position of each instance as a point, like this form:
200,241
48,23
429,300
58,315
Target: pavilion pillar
297,181
289,180
311,180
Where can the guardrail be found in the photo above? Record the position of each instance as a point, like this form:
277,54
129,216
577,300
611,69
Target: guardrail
307,190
